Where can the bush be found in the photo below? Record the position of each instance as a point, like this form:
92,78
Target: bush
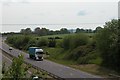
73,41
59,43
42,42
16,70
19,42
83,54
52,42
78,40
32,42
58,37
11,39
66,42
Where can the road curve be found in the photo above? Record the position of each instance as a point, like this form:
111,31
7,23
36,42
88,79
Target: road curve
49,66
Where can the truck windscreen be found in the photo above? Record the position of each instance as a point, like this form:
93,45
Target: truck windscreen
39,52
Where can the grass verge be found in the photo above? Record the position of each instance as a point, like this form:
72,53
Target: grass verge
94,69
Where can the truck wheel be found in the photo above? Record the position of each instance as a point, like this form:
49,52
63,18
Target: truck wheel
34,58
41,58
30,56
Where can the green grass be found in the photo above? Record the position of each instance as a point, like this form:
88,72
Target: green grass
97,61
63,35
57,55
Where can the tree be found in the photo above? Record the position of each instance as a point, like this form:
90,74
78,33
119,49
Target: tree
37,31
50,32
17,70
26,31
88,31
22,31
57,32
64,31
19,42
44,31
77,30
41,32
108,44
98,29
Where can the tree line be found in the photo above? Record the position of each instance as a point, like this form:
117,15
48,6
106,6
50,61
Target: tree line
43,31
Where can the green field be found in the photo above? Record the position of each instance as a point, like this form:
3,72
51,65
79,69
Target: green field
63,35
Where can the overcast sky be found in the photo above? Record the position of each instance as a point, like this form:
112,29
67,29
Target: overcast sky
58,12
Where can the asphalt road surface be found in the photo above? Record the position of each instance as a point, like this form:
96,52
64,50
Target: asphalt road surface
49,66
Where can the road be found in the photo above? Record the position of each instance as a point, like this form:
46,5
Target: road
49,66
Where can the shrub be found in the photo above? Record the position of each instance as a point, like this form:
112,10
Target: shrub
58,37
52,42
32,42
42,42
78,40
83,54
73,41
11,39
19,42
59,43
66,42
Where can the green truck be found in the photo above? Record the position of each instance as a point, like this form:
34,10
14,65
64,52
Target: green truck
36,53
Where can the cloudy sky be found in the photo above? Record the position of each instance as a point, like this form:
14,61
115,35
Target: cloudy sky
57,12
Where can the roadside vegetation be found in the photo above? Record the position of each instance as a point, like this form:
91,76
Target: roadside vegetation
16,70
100,47
19,70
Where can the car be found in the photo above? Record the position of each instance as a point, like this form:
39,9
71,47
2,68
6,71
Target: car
36,78
10,48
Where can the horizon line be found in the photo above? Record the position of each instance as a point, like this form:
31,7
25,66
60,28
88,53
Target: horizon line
53,24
